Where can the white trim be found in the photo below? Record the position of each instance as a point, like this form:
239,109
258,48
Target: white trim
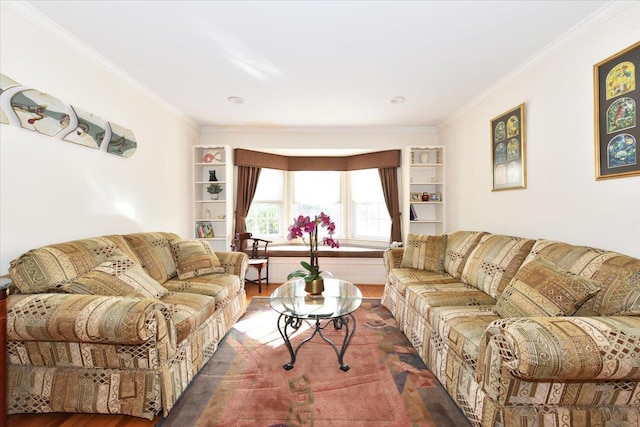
318,129
40,20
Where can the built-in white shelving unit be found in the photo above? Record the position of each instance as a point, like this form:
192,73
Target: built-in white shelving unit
423,195
213,217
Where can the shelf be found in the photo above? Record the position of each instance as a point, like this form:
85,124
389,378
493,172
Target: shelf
426,203
210,164
211,201
210,182
425,221
427,183
426,165
211,220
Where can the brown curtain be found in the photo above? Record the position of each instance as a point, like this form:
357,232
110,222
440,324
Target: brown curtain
389,180
247,183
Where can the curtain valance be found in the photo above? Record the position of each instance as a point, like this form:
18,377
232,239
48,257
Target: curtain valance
376,160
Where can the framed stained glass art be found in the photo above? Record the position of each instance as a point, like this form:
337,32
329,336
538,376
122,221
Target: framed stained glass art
616,114
508,150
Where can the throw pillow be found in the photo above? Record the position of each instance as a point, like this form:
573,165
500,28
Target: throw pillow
424,252
118,276
194,258
540,288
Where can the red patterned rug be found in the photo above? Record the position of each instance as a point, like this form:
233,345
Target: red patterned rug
244,384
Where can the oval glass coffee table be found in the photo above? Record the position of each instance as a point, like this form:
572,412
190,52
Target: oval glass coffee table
333,307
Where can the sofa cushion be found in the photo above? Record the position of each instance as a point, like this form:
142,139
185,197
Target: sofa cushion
154,252
460,244
494,262
424,252
399,278
618,275
423,299
540,288
118,276
223,287
460,329
188,311
49,267
194,258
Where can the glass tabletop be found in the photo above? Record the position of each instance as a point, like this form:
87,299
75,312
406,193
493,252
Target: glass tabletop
339,298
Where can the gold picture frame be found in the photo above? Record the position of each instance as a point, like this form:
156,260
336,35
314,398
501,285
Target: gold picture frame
616,98
415,197
508,150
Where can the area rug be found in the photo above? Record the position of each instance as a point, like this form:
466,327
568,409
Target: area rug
244,384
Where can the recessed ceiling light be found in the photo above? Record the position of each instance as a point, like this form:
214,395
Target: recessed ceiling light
236,100
397,99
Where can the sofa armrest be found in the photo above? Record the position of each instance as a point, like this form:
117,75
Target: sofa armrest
87,318
392,258
562,348
234,263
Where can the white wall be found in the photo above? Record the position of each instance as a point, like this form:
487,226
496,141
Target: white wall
53,191
563,200
368,138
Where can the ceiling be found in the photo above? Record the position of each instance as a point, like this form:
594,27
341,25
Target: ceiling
318,63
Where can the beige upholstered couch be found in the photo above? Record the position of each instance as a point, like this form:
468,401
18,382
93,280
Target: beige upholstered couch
117,324
522,332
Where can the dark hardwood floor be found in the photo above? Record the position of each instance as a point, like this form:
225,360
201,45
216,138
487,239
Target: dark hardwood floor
92,420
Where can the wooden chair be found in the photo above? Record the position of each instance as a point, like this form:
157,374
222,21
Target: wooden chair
258,255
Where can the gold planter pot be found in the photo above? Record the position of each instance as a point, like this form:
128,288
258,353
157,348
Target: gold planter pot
314,287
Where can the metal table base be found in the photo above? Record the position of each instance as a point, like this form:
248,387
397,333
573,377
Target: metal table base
287,325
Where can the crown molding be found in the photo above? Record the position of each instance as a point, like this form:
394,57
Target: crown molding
43,22
598,17
318,129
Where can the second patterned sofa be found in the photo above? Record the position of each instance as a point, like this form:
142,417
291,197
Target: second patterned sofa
117,324
522,332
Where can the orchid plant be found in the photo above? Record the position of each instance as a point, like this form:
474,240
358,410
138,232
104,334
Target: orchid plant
304,224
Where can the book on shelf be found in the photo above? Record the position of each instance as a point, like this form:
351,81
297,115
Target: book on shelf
412,213
204,230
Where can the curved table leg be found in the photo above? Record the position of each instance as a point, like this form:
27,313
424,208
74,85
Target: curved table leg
285,322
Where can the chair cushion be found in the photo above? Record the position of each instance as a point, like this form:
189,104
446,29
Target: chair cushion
424,252
540,288
118,276
194,258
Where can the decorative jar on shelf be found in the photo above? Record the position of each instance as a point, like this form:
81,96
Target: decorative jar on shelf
212,175
425,197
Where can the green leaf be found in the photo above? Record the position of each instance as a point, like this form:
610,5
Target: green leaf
306,265
297,273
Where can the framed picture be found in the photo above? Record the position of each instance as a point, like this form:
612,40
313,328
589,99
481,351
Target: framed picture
616,114
435,197
416,197
508,150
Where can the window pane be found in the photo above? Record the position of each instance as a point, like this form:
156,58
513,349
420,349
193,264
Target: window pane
270,186
265,215
316,187
369,218
264,219
365,186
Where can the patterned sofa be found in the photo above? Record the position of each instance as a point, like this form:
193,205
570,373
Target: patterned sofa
117,324
522,332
